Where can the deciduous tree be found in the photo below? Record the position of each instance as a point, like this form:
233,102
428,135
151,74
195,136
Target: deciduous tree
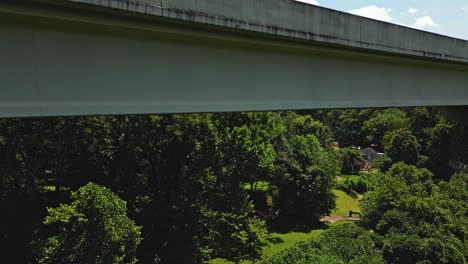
93,228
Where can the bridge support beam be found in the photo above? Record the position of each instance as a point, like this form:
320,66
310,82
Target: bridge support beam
85,63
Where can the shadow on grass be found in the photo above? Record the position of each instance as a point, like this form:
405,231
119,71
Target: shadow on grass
285,225
275,240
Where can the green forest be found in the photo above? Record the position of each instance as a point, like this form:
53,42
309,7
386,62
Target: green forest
262,187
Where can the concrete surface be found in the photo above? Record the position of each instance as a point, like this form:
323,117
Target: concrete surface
298,20
64,58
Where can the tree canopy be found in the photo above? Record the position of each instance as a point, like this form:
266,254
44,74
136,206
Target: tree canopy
181,188
93,228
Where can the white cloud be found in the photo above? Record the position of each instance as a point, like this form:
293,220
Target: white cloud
464,9
413,11
424,22
311,2
374,12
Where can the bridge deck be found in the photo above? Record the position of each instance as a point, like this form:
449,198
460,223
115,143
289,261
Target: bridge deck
296,20
85,57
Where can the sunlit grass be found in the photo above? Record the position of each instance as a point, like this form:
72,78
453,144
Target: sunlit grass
259,186
344,178
345,203
287,240
282,241
48,188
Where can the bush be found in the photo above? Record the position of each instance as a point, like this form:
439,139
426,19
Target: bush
384,164
409,248
423,161
353,186
235,236
94,228
303,252
350,159
306,178
361,186
342,244
401,145
418,220
349,242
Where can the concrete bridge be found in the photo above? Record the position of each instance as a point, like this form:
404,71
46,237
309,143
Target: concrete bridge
80,57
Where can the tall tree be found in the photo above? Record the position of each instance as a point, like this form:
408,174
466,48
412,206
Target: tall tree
383,121
306,174
419,221
401,145
94,228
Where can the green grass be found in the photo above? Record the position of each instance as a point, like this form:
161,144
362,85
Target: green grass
287,240
260,186
219,261
48,188
281,242
343,178
344,204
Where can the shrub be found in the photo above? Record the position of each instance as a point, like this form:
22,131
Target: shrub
342,244
350,160
303,252
235,236
94,228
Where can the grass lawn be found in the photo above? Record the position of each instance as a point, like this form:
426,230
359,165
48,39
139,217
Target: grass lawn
345,203
287,240
281,242
260,186
48,188
351,177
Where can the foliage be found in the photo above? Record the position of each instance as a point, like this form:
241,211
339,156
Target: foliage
419,220
383,121
185,178
410,248
350,159
280,241
401,145
302,253
445,146
94,228
344,204
346,125
262,186
342,244
236,237
353,185
306,125
350,243
250,154
306,178
370,179
401,180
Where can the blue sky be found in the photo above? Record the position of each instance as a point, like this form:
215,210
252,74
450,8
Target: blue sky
447,17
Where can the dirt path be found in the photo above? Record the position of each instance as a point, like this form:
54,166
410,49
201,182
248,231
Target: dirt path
336,218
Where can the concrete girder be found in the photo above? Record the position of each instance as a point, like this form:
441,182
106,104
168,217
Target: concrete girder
68,61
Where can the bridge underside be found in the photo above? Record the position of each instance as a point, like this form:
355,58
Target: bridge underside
59,61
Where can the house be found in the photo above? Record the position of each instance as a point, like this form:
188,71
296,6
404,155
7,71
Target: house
370,155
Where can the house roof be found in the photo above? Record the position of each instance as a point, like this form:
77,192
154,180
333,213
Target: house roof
368,151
